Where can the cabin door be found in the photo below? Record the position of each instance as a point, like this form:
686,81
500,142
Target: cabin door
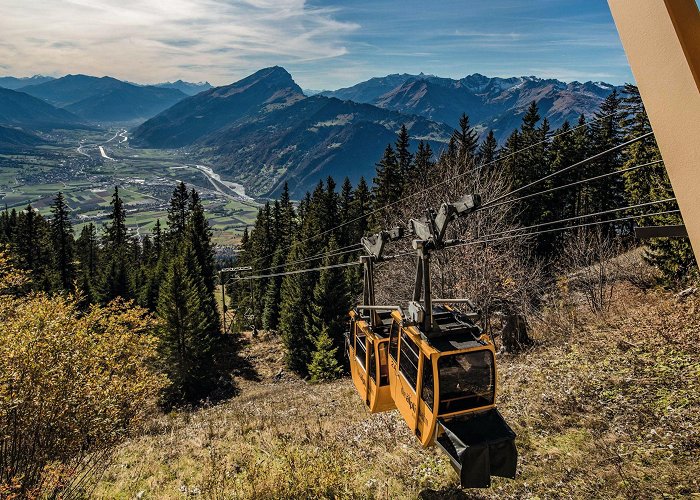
426,402
407,380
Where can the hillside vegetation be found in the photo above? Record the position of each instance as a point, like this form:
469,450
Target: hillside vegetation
604,407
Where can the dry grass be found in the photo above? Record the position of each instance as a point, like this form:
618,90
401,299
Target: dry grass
604,407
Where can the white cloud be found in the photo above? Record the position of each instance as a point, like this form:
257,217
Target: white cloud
155,40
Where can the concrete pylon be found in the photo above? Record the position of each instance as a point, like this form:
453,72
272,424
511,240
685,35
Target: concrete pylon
662,42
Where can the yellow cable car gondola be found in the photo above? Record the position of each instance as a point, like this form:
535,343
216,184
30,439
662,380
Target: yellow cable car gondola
442,370
368,348
367,342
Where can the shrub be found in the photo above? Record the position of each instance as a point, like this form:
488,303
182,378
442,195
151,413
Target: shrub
72,385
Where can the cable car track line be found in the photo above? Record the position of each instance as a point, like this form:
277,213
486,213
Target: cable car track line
298,271
556,229
341,251
585,161
490,237
585,216
355,247
429,188
583,181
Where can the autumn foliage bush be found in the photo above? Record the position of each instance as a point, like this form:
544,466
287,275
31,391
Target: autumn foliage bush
72,385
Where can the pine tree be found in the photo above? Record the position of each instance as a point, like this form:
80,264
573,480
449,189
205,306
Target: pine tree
30,241
62,243
329,208
403,154
116,231
582,148
115,275
287,225
115,280
467,140
296,295
488,150
331,301
157,239
526,157
5,229
345,213
423,165
87,252
178,213
271,311
606,132
303,207
187,344
200,240
360,207
261,247
387,181
563,151
674,257
324,360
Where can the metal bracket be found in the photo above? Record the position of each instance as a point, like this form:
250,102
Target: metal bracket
433,226
374,245
643,233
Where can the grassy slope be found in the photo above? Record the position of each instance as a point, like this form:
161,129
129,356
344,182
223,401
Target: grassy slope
602,407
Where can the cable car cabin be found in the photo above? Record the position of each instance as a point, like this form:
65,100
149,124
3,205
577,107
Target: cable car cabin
444,385
367,349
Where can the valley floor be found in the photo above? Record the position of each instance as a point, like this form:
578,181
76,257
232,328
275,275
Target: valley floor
86,165
603,408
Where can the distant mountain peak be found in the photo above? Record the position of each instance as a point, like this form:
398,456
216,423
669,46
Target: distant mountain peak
264,91
491,102
188,88
14,83
274,78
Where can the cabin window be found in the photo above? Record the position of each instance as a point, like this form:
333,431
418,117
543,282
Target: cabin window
360,350
383,363
408,360
372,362
394,341
428,387
467,381
349,336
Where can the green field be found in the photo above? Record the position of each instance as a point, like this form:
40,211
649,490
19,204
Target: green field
74,165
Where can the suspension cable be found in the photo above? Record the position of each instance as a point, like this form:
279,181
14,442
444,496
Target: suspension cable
582,181
433,186
298,271
486,239
503,201
585,161
585,216
341,251
565,228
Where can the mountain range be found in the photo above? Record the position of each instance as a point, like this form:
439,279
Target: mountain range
491,103
185,87
18,109
104,99
263,131
13,83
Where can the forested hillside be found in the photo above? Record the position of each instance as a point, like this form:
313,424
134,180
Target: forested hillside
326,226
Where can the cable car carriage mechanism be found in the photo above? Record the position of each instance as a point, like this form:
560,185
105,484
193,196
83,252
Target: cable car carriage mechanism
367,342
441,370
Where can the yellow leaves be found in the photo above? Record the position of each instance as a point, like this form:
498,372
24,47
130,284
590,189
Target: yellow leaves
71,382
11,279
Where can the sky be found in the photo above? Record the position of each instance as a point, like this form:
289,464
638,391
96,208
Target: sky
324,44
